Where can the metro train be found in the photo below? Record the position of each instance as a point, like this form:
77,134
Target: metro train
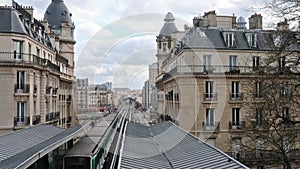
91,150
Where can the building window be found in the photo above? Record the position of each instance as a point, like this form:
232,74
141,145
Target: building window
258,90
21,112
229,39
18,46
281,63
285,113
256,62
277,40
34,107
286,90
235,91
159,45
164,47
236,121
207,62
232,62
252,39
29,49
259,117
21,81
38,52
209,91
210,117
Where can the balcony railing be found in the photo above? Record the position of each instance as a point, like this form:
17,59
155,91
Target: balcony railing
56,115
36,119
236,125
69,98
211,126
69,119
52,116
22,121
54,91
210,96
48,89
11,57
223,69
24,88
236,96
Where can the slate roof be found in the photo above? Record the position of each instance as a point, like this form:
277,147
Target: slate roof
212,38
57,13
167,146
19,147
169,26
15,22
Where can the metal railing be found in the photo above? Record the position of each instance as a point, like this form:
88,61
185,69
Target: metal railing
48,89
22,121
236,125
54,91
12,57
69,119
226,69
210,96
36,119
52,116
236,96
211,126
22,88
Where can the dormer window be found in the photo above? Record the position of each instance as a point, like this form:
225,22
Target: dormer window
229,39
252,39
164,47
277,40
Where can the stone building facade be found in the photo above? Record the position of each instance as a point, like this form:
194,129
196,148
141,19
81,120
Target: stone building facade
36,67
205,72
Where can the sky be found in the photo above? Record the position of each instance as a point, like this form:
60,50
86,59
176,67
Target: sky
116,38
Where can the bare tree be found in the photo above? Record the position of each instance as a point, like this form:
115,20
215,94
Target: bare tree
272,104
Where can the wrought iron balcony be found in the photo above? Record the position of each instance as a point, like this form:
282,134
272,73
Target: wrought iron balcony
36,119
48,89
211,126
12,57
69,119
236,125
236,96
21,121
54,91
22,88
210,96
56,115
52,116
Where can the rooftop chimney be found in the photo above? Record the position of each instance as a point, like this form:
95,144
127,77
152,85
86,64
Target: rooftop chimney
283,25
255,21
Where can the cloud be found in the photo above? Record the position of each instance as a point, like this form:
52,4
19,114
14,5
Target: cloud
116,38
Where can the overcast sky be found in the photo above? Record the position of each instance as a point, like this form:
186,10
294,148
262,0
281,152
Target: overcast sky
116,38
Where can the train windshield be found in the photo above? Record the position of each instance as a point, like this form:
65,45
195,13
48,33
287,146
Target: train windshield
77,162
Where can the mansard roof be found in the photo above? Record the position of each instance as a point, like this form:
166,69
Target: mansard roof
15,22
213,38
169,26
